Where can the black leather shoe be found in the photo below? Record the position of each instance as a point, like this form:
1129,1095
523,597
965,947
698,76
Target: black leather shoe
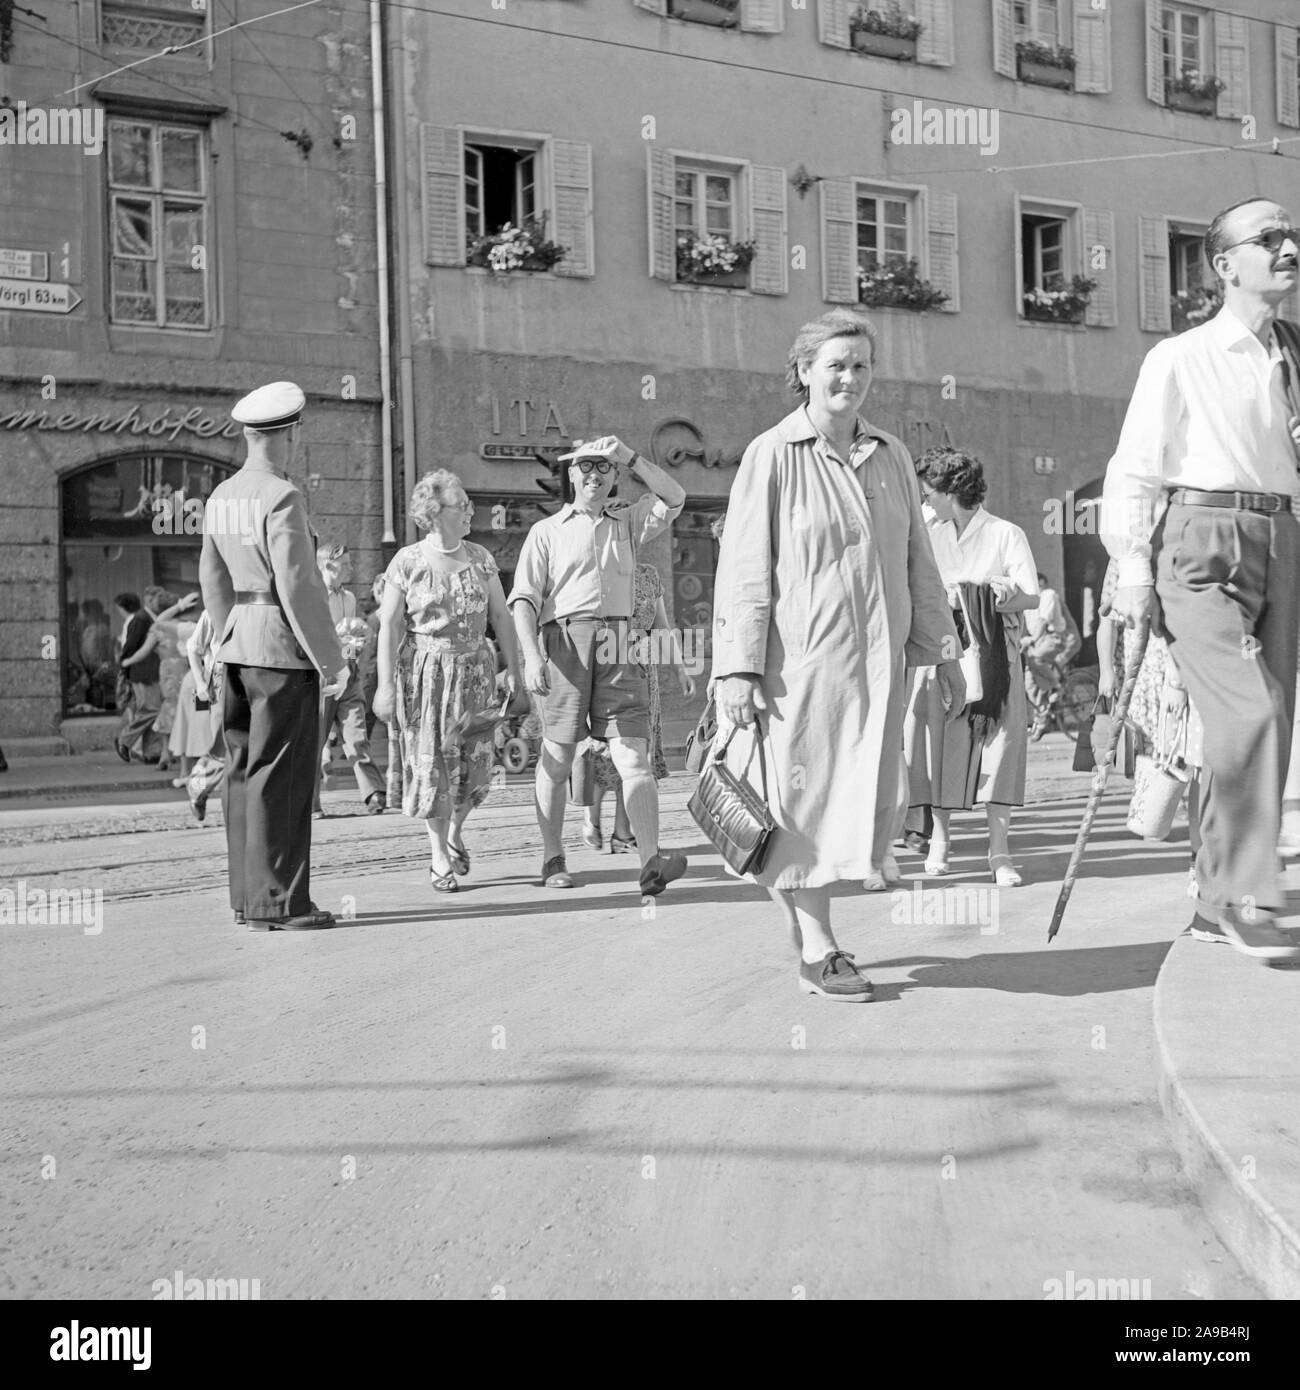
915,841
376,804
660,870
554,874
239,916
121,752
306,921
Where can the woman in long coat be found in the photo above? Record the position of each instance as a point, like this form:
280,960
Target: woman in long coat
827,589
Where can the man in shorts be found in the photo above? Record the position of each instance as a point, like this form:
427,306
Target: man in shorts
572,607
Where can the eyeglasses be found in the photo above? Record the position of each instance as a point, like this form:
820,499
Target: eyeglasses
1272,240
600,465
465,506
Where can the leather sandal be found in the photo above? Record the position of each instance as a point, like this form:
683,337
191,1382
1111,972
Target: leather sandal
444,883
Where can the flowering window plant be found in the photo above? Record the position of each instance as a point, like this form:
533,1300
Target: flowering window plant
1196,84
890,21
699,258
897,284
515,248
1058,302
1030,51
1188,308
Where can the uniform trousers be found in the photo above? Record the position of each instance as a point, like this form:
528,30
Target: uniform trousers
1227,580
269,718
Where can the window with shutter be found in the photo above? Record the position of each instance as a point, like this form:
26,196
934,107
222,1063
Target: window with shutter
1232,63
1286,49
839,247
767,209
571,200
710,246
935,44
1154,308
721,14
442,178
1092,71
762,16
833,22
1064,263
1195,292
1004,38
941,237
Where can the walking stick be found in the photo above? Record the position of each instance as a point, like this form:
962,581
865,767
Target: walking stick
1099,776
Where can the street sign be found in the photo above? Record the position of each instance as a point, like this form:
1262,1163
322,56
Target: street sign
38,299
24,265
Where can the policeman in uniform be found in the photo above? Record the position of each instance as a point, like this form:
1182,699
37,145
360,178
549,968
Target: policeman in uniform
277,640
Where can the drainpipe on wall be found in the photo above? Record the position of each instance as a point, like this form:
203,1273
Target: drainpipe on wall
401,279
381,241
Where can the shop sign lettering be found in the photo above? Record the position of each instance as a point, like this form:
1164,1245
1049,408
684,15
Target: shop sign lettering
162,426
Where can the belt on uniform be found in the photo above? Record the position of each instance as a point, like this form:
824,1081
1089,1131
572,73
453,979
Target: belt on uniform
256,596
1267,502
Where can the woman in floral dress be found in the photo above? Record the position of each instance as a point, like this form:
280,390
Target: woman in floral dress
648,614
437,676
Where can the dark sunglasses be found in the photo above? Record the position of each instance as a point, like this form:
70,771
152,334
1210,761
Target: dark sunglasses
1272,240
585,466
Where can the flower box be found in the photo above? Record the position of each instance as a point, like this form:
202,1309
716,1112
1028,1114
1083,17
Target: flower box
737,279
1045,74
1041,314
885,45
721,13
1198,104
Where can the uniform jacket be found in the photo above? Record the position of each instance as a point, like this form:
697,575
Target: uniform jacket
256,536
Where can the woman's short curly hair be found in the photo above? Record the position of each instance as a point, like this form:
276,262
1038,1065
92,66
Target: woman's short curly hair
839,323
958,475
428,494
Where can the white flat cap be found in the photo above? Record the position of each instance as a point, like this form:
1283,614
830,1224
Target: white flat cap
273,407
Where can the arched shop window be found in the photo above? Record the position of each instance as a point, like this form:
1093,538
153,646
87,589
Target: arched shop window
125,526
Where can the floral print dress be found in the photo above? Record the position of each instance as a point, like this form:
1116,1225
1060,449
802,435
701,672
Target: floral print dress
445,672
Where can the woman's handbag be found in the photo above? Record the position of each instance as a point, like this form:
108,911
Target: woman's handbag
700,738
1103,721
729,811
1157,787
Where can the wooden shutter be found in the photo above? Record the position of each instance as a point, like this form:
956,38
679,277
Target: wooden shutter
1099,235
839,242
1018,279
442,161
1232,62
941,243
1286,47
654,6
769,271
762,16
1155,55
1004,38
659,206
934,44
1153,275
570,162
833,22
1091,48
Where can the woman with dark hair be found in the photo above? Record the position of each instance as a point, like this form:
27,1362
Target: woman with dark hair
989,571
827,589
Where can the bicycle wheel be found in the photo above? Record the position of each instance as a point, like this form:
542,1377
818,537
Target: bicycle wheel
1078,695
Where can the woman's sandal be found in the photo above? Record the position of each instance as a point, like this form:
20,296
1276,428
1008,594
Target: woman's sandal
1004,875
937,868
620,846
459,857
444,883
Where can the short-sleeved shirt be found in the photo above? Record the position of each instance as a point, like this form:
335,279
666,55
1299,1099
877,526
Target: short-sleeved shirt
444,604
576,565
989,548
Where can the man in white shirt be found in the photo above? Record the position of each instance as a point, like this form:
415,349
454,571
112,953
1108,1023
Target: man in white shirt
1200,513
572,605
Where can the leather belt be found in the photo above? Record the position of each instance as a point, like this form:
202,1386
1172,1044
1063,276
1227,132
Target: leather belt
586,618
1267,502
257,596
